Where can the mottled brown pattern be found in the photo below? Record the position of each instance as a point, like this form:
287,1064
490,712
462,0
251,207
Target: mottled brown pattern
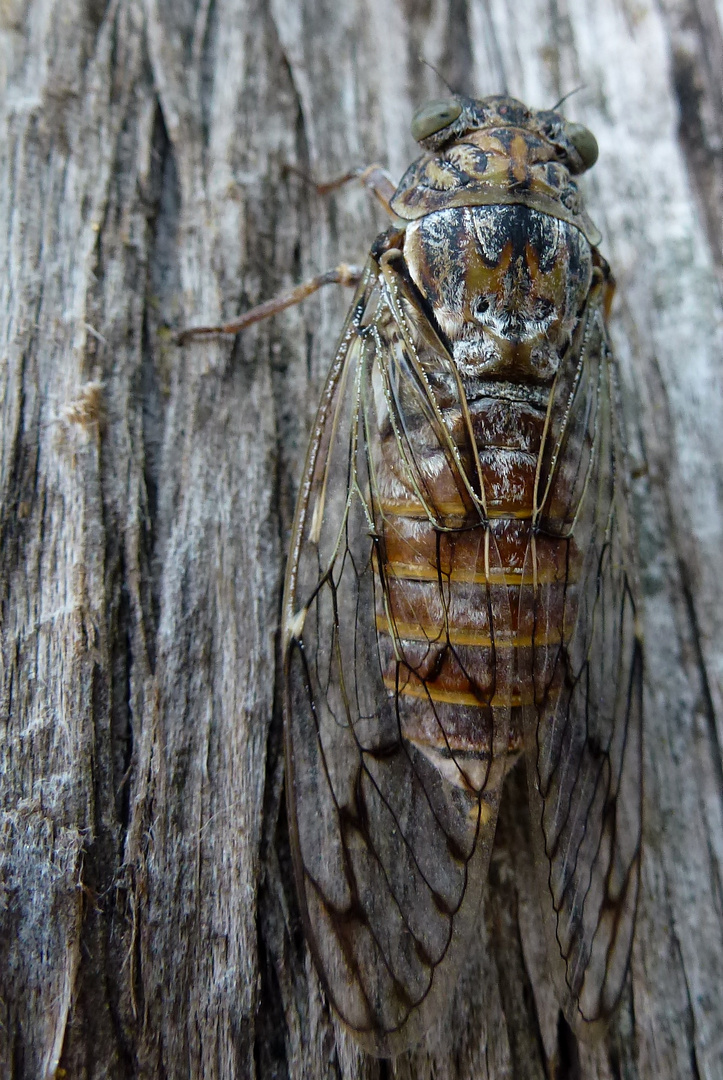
460,589
495,166
505,284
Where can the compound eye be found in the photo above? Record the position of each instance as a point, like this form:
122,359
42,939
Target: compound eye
584,142
434,117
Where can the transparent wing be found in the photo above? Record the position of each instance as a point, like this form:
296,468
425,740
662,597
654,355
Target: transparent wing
395,734
583,734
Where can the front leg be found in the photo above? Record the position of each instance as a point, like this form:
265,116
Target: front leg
375,178
342,274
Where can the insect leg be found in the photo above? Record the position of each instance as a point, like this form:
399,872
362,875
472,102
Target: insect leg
374,178
342,274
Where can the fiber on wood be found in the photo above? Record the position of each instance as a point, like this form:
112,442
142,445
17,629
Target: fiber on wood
148,922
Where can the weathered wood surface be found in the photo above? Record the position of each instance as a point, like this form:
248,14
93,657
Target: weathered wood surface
148,925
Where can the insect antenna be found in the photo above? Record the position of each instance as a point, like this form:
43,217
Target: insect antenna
438,73
569,94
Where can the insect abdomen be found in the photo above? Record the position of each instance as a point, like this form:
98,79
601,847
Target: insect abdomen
448,608
455,581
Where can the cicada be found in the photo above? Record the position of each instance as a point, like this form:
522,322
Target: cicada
461,585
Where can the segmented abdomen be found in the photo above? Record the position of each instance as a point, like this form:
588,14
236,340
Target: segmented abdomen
454,603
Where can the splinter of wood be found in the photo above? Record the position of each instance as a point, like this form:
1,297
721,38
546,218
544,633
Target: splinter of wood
342,274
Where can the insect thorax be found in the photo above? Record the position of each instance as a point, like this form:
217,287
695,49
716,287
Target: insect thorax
505,284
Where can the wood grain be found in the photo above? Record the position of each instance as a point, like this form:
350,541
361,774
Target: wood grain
148,923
